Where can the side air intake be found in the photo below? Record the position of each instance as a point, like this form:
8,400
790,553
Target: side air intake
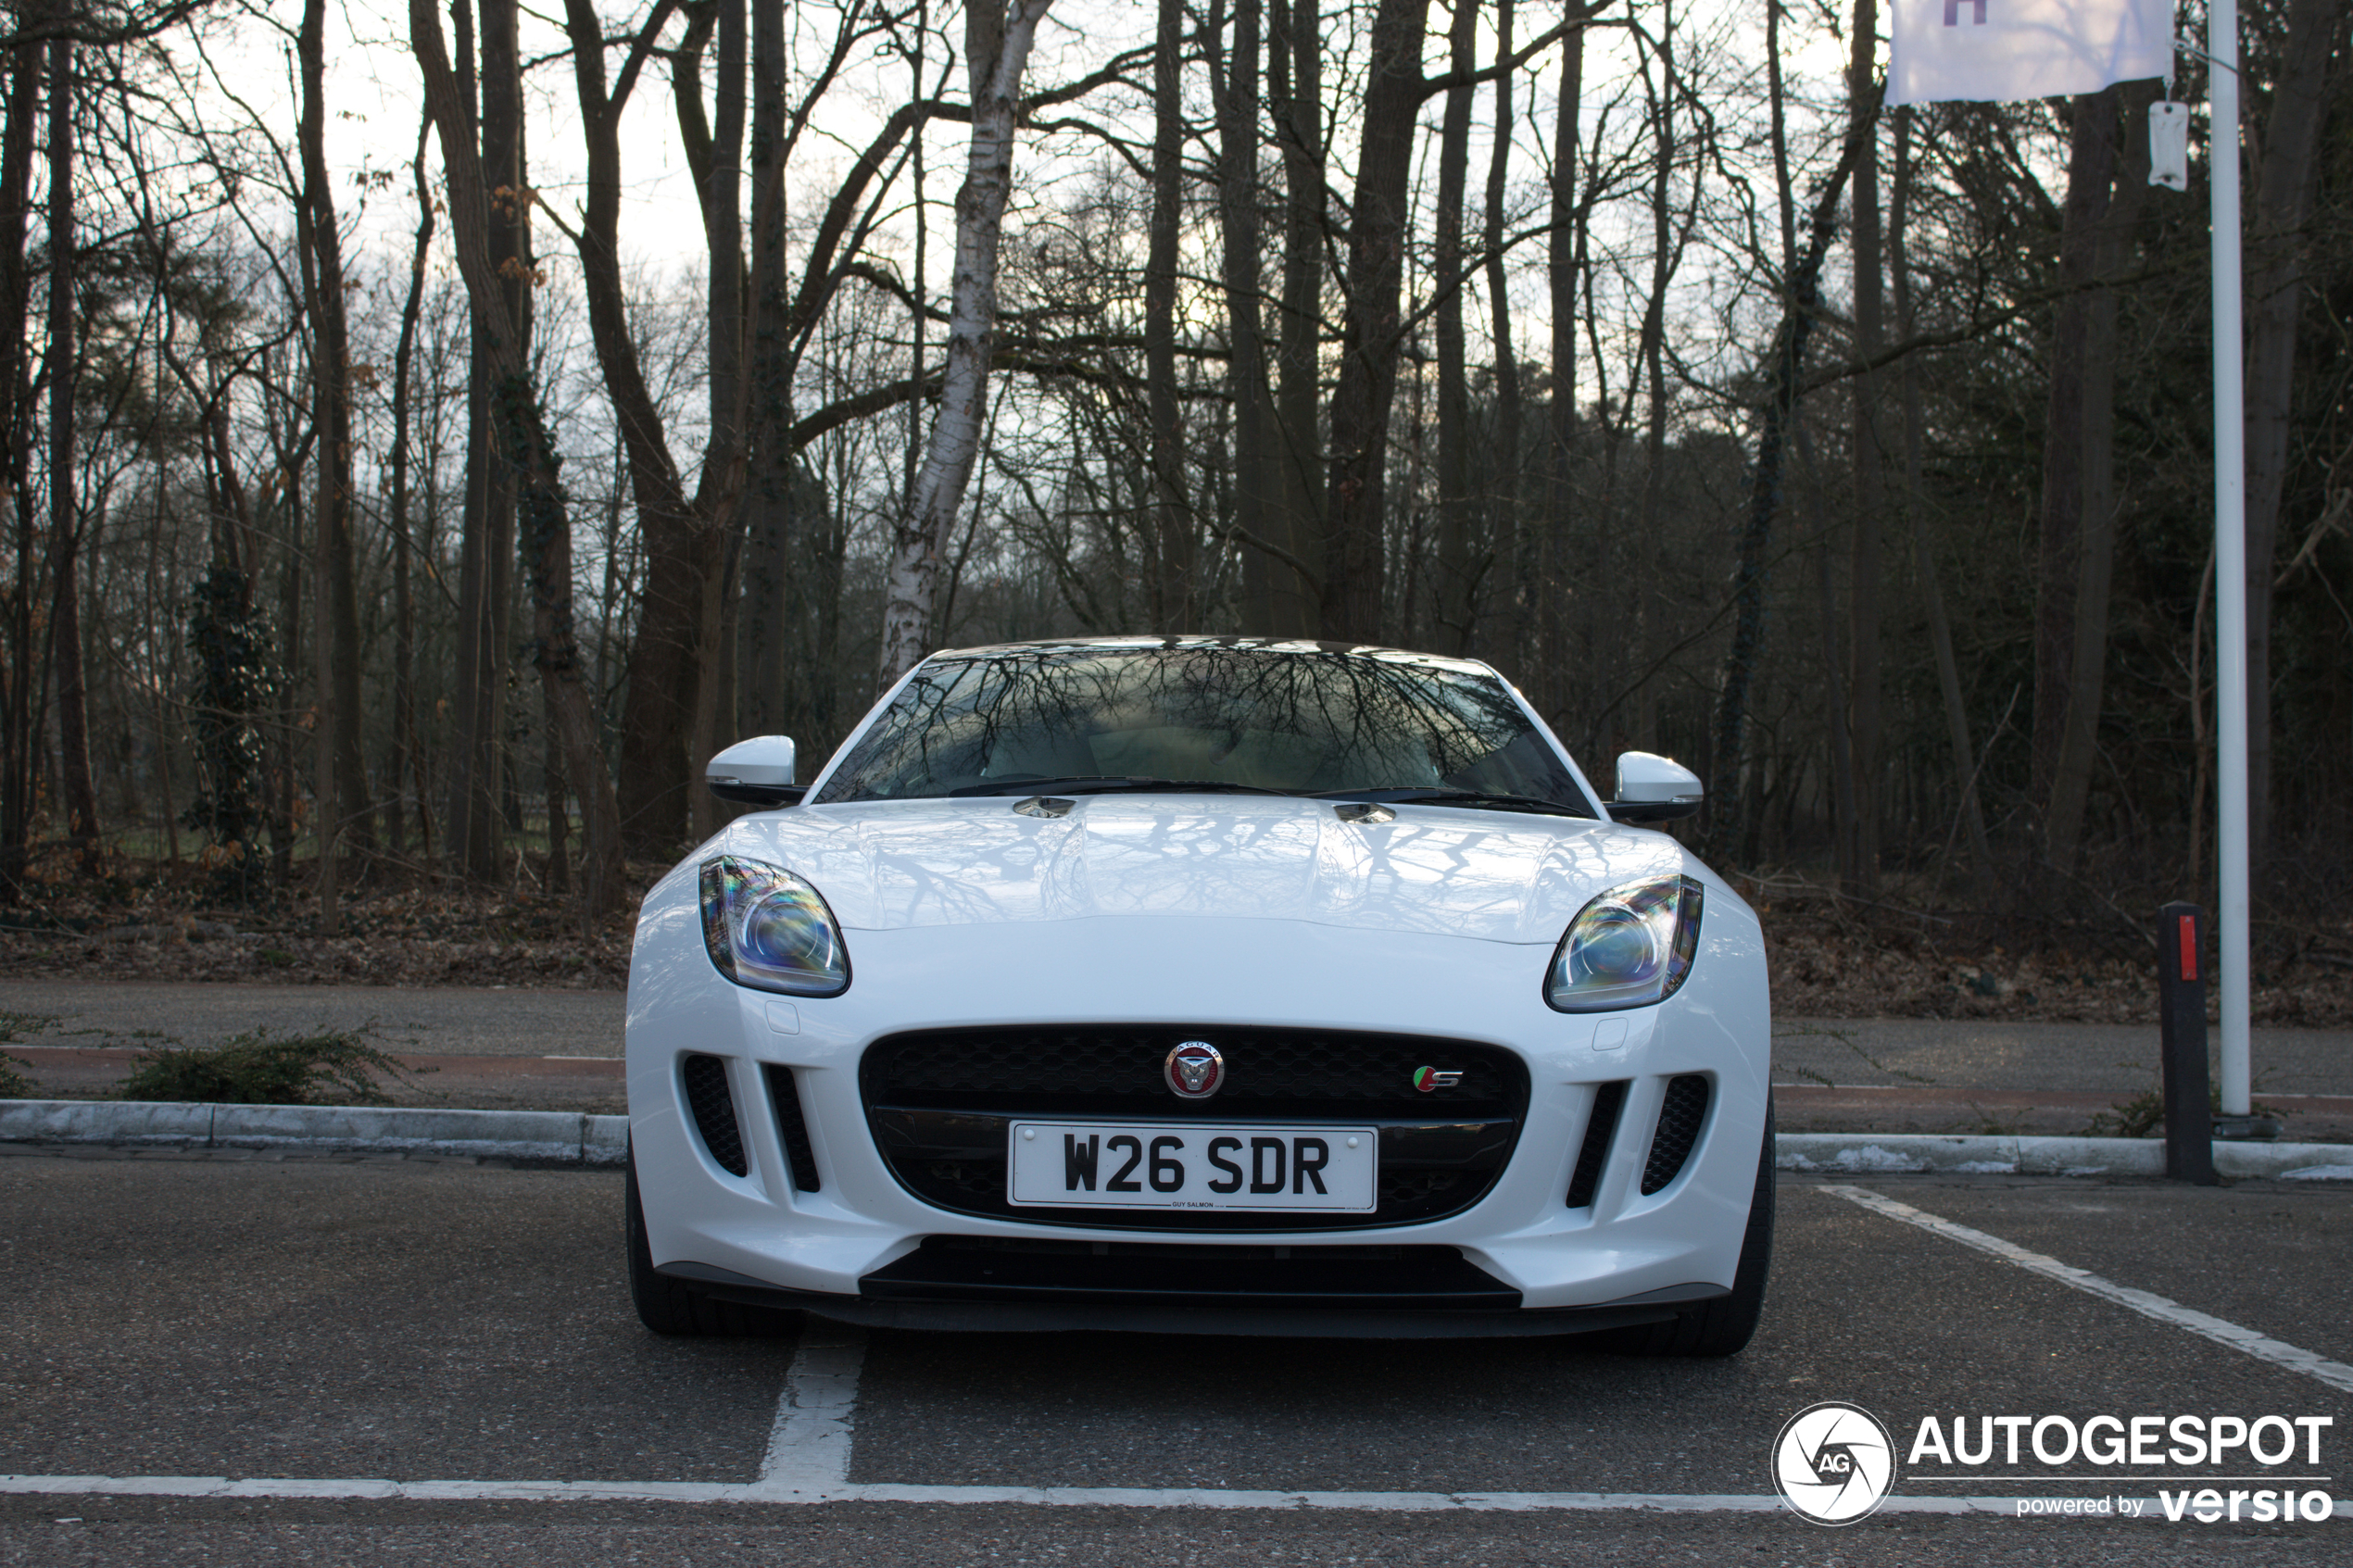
1680,1115
785,1090
713,1107
1601,1127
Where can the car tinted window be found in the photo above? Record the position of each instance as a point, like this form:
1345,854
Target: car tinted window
1307,720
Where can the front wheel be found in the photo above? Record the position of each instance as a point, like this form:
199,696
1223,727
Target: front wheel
670,1306
1725,1326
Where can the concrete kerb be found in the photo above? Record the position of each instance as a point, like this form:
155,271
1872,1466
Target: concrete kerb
1877,1154
562,1136
574,1138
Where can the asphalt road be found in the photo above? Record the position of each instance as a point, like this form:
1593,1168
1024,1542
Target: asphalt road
411,1321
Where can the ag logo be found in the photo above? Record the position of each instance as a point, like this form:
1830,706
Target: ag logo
1833,1463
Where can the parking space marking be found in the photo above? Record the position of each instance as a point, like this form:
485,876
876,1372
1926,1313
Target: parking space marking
2336,1375
809,1447
1051,1496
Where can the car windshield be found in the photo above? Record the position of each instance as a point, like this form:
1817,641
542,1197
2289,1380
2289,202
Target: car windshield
1294,719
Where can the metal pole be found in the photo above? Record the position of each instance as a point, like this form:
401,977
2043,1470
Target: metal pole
2230,552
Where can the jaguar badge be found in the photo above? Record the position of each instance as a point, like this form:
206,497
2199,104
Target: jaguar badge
1428,1079
1195,1070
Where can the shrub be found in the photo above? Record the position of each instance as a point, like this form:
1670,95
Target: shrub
254,1069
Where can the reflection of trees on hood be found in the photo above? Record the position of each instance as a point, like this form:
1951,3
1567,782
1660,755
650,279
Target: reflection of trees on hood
1292,716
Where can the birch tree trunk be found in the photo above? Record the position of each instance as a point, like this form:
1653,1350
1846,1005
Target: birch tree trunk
1506,539
997,44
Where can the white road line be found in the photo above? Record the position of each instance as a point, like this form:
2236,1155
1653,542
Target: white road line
1056,1496
809,1446
2336,1375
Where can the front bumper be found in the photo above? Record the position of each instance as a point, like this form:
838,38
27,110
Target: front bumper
847,1248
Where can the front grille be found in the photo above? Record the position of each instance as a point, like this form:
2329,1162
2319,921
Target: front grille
713,1106
1680,1115
784,1091
1120,1069
1601,1126
939,1103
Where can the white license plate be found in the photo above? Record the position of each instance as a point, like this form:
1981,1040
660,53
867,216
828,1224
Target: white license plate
1131,1165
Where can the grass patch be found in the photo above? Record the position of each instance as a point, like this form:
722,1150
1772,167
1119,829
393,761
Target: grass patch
14,1084
337,1067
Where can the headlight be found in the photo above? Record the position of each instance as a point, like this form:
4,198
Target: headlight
768,929
1630,947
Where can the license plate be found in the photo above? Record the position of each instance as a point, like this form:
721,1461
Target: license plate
1128,1165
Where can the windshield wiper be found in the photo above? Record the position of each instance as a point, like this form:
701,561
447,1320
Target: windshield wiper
1097,784
1423,797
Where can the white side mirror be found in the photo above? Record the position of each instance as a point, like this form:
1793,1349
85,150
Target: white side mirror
758,772
1654,789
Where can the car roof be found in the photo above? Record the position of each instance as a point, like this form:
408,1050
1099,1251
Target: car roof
1192,640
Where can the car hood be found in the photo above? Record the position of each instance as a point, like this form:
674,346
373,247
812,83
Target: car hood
1442,869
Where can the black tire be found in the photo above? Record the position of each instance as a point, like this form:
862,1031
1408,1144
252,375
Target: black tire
1725,1326
670,1307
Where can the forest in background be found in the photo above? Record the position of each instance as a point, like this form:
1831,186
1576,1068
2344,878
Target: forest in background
397,533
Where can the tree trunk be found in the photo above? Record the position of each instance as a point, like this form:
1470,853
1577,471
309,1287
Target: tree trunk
1172,532
1234,76
1860,840
2284,183
768,409
722,195
1940,630
1457,581
405,749
1561,270
1786,361
1665,252
1296,88
532,456
65,522
997,42
345,812
2091,172
19,766
1371,331
1505,485
2087,665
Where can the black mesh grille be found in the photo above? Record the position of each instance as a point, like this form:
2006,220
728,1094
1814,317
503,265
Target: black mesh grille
714,1112
1680,1117
1122,1069
785,1090
941,1102
1600,1128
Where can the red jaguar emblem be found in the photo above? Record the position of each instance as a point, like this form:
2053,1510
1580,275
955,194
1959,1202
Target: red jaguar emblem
1195,1070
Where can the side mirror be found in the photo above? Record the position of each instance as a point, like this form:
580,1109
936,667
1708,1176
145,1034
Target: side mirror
1654,789
756,772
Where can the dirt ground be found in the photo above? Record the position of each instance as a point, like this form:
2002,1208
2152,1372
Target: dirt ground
1831,958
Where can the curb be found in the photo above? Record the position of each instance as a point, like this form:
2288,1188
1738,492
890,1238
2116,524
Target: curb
574,1138
567,1136
1865,1153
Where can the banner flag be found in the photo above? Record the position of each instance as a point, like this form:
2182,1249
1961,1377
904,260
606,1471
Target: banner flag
2005,50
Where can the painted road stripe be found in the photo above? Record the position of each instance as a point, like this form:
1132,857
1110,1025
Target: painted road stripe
1052,1497
809,1446
2336,1375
